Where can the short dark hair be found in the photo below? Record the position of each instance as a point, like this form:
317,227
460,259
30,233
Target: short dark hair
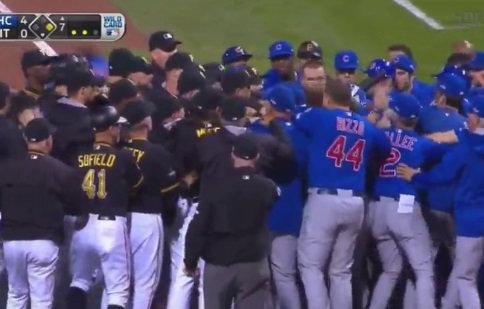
458,59
314,96
312,64
409,123
454,102
401,48
72,90
339,92
20,102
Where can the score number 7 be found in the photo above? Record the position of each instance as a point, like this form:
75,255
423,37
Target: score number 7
354,155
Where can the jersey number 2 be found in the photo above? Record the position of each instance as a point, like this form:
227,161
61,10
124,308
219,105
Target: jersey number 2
354,155
89,184
388,168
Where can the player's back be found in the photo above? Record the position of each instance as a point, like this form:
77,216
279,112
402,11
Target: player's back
341,143
407,148
109,174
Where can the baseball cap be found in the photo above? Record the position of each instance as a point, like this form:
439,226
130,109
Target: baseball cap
233,108
121,90
282,99
123,62
213,72
35,57
105,116
451,85
452,70
379,66
309,49
346,60
405,105
83,78
179,60
137,111
404,63
477,63
190,79
208,99
234,79
235,53
280,49
163,40
477,106
255,78
245,147
38,130
165,107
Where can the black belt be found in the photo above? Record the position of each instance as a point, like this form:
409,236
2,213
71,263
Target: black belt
335,192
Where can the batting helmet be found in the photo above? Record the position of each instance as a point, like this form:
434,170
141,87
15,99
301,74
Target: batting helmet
104,117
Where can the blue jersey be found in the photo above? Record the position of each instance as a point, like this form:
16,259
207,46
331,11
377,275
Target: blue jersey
272,78
440,119
423,92
408,148
340,145
463,165
286,215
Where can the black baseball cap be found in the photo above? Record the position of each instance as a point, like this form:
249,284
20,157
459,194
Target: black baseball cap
233,108
121,90
245,147
137,111
309,50
104,117
163,40
165,107
191,78
35,57
255,78
208,99
179,60
123,62
38,130
83,78
235,79
213,72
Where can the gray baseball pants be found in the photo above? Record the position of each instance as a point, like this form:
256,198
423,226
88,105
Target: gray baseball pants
397,234
330,226
462,283
284,268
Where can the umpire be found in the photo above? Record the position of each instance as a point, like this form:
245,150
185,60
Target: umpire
229,233
35,189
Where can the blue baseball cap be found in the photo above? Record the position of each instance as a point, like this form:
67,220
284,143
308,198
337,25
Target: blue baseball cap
477,106
405,105
451,85
378,66
280,49
477,63
346,60
235,53
282,99
452,70
404,63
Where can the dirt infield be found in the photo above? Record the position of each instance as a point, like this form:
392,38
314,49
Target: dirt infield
11,52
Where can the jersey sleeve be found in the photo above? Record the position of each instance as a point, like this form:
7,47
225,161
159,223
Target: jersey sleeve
133,175
433,152
444,172
196,235
383,145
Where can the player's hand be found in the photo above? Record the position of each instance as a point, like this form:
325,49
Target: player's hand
406,172
192,273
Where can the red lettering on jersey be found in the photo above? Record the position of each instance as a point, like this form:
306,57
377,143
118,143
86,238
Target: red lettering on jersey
354,155
401,140
349,125
388,169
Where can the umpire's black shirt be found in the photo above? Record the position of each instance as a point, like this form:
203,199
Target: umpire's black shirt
36,191
230,226
159,194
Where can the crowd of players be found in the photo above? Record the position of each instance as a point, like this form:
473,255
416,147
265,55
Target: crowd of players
292,189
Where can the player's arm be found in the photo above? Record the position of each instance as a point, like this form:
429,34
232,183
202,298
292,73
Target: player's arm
383,145
444,172
133,176
195,238
68,183
433,151
168,184
444,137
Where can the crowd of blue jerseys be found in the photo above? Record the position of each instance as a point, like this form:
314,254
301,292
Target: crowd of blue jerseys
334,148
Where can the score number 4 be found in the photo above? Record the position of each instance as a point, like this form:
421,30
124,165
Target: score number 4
89,184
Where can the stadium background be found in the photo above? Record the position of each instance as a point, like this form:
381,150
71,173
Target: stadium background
207,27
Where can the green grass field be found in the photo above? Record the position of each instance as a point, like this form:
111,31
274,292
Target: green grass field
207,27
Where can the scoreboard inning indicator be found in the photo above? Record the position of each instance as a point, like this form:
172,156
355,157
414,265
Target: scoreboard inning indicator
55,26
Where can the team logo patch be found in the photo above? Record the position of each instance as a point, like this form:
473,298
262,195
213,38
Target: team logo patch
346,58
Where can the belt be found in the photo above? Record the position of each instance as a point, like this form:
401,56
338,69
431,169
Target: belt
387,199
106,218
339,192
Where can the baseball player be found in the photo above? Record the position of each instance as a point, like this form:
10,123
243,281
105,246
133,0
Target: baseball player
159,193
101,236
36,190
396,218
339,147
463,164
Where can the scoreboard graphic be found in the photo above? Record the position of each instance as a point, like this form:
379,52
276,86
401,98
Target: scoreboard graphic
56,27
